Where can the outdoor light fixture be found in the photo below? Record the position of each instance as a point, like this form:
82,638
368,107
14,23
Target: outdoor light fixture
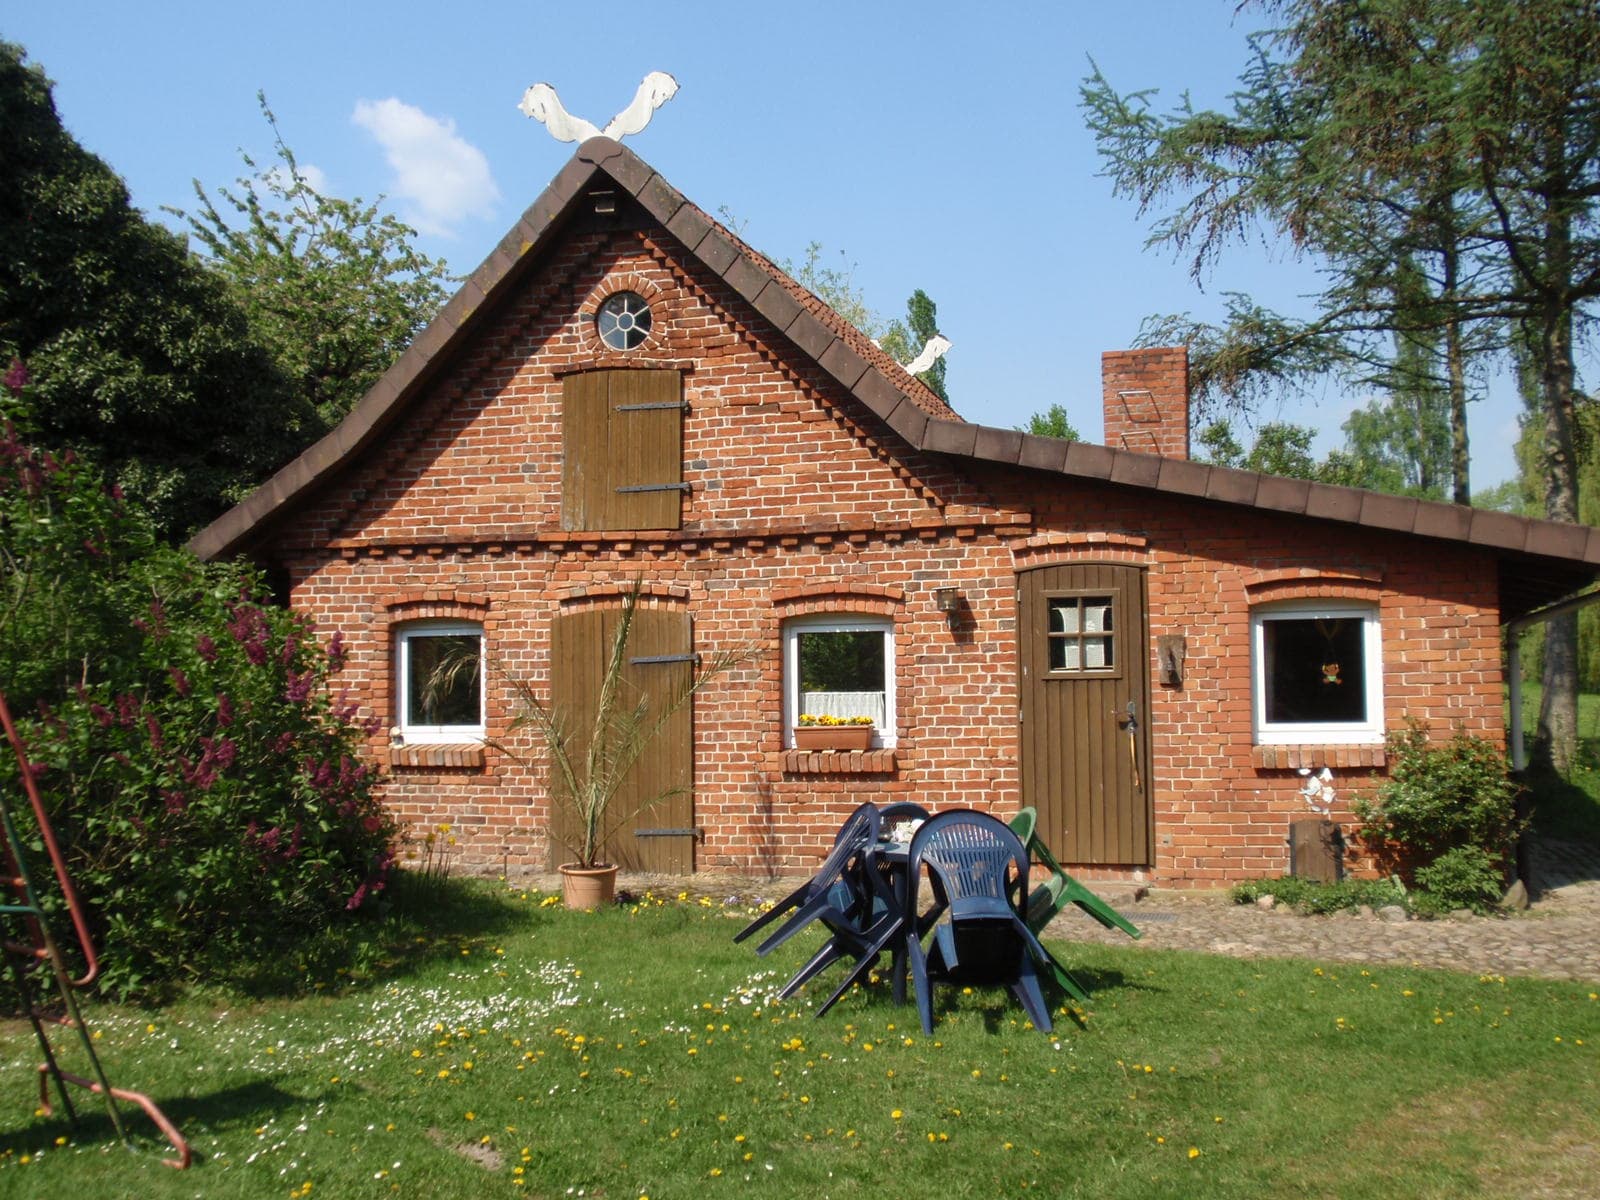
947,600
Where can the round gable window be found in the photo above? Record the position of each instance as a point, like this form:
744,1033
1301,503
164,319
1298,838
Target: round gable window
623,321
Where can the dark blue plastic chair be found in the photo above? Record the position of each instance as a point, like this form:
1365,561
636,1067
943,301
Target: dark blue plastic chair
979,931
867,923
839,887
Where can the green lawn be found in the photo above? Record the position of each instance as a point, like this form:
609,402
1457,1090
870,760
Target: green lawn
525,1051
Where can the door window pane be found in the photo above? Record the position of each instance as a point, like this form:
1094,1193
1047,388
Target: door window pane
1082,633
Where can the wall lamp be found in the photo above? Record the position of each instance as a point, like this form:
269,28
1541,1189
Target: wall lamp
947,600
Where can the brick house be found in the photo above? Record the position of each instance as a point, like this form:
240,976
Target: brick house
1146,648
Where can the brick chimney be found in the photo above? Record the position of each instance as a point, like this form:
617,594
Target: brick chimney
1146,396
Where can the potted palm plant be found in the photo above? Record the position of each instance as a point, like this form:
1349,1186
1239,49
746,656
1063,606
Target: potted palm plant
589,761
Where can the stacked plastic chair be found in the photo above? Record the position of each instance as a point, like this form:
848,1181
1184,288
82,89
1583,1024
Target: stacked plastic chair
848,897
1057,891
37,968
978,870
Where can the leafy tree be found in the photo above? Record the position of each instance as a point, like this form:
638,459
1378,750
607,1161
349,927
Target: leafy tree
201,775
835,286
1280,449
1314,152
145,364
905,341
332,287
1052,422
1461,140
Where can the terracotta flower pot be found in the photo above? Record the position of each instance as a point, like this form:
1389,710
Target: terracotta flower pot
587,888
833,737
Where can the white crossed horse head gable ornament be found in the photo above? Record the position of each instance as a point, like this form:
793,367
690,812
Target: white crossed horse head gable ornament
542,104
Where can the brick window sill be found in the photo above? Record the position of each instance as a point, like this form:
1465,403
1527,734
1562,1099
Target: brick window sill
1314,758
436,756
838,762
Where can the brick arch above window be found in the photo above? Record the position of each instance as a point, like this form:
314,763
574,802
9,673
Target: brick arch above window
1076,546
1301,583
435,604
809,598
615,591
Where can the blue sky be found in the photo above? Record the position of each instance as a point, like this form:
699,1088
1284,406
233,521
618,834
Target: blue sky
935,145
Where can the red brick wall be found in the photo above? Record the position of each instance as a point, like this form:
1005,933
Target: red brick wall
798,504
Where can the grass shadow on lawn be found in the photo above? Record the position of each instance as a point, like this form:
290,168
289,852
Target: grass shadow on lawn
426,921
245,1106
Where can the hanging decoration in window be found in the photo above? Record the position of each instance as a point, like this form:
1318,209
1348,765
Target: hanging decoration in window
1330,666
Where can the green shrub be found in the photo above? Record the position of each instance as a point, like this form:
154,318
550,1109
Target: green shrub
1312,897
1440,796
1465,877
203,779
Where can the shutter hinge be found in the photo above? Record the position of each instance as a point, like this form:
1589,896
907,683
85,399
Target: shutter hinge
697,834
657,659
654,406
654,487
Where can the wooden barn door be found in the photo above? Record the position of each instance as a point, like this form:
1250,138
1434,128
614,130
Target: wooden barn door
1084,693
660,659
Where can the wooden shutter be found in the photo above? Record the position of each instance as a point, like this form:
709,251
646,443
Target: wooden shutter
622,446
659,837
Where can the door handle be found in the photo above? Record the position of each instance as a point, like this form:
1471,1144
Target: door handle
1130,722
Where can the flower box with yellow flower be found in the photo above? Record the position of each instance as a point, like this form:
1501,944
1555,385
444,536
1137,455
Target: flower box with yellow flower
833,733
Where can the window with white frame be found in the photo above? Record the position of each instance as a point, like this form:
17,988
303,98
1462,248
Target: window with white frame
439,672
840,666
1317,672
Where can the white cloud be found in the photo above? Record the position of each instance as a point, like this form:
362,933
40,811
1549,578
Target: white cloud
439,177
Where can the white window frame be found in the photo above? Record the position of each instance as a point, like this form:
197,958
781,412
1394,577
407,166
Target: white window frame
885,736
1365,732
416,630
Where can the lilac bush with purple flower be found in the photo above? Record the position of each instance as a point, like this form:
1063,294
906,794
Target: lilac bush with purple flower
200,764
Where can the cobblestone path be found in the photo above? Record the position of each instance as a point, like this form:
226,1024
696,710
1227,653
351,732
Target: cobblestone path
1558,937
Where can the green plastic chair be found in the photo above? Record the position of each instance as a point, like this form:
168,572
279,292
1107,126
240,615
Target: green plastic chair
1055,893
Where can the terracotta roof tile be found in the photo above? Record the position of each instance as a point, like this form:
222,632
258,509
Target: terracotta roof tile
1336,503
950,437
746,278
1042,453
689,225
1232,487
842,362
998,445
1089,461
1184,477
777,305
